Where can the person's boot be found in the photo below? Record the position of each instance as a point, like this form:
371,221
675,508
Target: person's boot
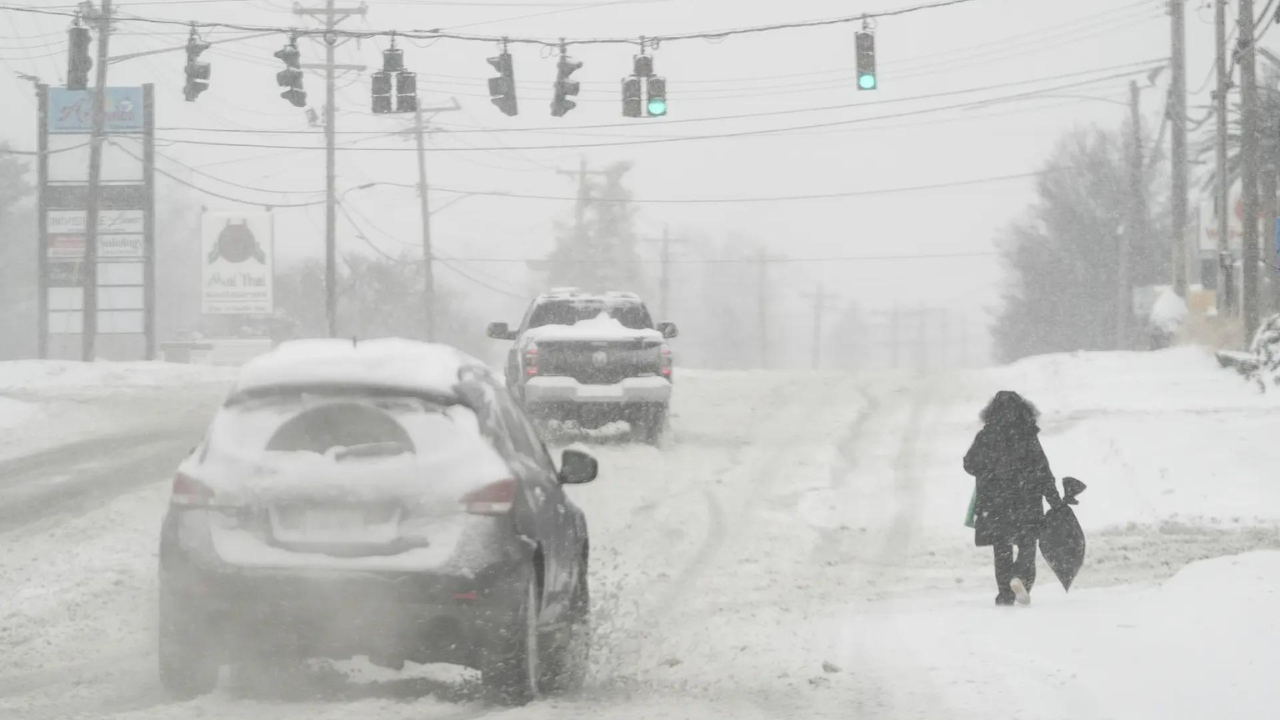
1006,597
1020,591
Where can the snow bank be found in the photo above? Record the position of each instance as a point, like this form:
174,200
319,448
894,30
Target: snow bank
44,403
40,378
1204,644
1158,437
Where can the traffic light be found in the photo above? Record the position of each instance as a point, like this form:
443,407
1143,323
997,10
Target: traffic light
406,91
632,104
502,89
382,92
291,77
866,49
565,87
78,61
656,106
406,84
197,72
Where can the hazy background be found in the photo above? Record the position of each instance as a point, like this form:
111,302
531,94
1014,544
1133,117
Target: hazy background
984,43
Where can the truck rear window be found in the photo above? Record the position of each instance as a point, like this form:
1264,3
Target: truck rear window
570,312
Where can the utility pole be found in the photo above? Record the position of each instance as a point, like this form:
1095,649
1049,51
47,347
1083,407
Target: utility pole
89,333
1137,222
762,274
332,16
1249,168
1178,144
428,277
820,306
584,194
1222,192
664,281
895,335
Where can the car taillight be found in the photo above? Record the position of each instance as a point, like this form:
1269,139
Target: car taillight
492,499
666,361
189,491
531,361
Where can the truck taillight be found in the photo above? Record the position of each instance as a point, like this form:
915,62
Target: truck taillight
666,361
531,361
492,499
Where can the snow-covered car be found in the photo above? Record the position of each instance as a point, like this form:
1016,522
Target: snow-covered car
591,359
385,498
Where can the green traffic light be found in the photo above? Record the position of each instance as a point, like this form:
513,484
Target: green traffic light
867,82
657,106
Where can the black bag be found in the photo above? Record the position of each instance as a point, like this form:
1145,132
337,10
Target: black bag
1061,539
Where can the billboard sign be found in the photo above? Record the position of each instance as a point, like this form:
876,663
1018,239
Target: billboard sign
237,264
71,222
71,111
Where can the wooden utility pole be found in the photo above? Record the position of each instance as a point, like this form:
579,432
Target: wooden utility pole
1249,168
762,292
664,280
332,16
821,304
428,277
1222,192
330,176
89,332
584,194
1136,226
1178,144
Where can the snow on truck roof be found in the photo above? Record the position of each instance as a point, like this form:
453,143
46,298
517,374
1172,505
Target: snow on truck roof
385,363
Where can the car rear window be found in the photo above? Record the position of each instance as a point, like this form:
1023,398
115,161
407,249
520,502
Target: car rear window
342,425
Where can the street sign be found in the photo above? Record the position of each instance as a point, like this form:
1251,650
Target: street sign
71,111
237,264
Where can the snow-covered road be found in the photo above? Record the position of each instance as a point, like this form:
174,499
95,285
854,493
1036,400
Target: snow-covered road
795,551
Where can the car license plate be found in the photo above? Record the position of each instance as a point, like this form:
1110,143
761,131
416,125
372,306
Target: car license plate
333,524
341,521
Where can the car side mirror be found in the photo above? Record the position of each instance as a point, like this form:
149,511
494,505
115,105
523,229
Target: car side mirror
500,331
668,329
577,467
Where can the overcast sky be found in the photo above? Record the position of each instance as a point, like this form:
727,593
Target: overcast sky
1007,43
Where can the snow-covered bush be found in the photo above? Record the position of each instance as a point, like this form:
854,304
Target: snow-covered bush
1262,362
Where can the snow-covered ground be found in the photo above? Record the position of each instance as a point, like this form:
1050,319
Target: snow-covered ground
797,550
45,404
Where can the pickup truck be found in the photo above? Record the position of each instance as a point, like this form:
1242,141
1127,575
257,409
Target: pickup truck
591,359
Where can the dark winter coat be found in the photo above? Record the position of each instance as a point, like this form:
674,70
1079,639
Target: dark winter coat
1013,476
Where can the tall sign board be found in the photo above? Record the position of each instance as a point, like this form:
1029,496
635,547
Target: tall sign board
126,224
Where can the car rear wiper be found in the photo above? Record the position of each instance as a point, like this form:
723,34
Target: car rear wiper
382,449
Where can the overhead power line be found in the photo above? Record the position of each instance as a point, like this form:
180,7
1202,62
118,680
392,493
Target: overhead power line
434,34
683,138
1136,67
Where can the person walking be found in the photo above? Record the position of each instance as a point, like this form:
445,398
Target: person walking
1013,479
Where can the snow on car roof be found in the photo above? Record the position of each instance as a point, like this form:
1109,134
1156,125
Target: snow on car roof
600,327
384,363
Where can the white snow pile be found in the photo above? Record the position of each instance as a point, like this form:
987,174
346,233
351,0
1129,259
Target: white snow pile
1262,363
57,378
49,402
1168,312
601,327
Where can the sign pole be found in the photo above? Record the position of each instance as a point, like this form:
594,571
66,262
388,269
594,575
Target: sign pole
149,220
42,224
